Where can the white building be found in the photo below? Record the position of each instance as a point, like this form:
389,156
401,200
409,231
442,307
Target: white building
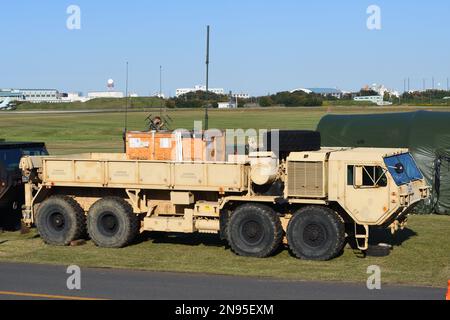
158,95
378,100
241,95
334,92
106,94
228,105
182,91
382,90
12,94
32,95
73,97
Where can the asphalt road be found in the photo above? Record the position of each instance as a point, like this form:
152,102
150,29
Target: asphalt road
22,281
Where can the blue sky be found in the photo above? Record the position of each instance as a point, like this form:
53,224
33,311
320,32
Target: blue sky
257,46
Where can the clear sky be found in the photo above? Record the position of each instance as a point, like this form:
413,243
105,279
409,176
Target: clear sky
257,46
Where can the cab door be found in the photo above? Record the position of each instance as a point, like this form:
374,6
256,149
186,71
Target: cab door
367,193
4,183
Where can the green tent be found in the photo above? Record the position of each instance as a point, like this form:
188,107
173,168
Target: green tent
426,134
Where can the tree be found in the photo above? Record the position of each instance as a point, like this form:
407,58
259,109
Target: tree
265,101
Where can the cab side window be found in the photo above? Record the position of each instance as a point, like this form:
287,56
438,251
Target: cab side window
372,176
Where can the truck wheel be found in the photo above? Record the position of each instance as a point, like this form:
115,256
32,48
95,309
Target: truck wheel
254,230
60,220
112,223
316,233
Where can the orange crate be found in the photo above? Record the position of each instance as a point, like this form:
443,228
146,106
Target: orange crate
167,146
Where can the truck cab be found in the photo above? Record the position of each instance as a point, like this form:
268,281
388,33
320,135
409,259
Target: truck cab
369,186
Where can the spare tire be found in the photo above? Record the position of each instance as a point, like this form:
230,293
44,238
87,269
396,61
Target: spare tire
380,250
292,140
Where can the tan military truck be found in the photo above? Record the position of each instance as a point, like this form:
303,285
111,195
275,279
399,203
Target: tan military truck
313,200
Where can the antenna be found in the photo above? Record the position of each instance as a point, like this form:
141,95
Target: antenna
160,91
207,78
126,113
160,81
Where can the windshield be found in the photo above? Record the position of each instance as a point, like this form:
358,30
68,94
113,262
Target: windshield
10,158
403,169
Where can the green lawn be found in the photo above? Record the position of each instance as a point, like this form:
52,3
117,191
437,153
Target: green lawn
423,258
75,133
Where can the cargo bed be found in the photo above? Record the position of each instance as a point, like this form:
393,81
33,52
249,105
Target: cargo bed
115,171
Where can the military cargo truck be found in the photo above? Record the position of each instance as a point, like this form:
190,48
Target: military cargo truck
11,188
311,200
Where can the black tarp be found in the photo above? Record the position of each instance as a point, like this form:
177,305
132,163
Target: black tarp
425,133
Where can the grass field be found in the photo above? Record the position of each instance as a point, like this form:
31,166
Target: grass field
422,259
75,133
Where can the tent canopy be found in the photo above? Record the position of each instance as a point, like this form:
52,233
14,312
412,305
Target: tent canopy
425,133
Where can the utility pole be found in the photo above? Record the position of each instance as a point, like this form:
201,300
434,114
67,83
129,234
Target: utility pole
126,113
160,81
160,92
207,79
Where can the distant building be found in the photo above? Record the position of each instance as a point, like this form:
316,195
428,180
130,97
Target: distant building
32,95
158,95
73,97
106,94
228,105
382,90
322,91
180,92
13,95
379,100
241,95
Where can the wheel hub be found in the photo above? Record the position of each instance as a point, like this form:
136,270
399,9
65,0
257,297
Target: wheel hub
108,224
57,221
252,232
314,235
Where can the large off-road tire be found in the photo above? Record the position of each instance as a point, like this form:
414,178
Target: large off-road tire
60,220
254,230
316,233
112,223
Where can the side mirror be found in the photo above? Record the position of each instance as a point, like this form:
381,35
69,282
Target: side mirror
358,174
